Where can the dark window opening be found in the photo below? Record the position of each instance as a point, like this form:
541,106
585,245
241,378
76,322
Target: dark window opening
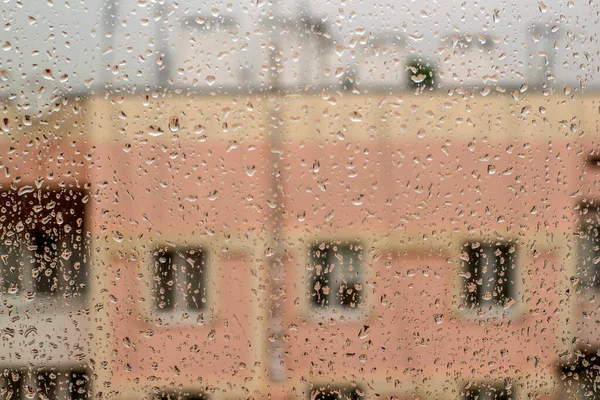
593,161
48,385
180,279
490,270
485,392
336,393
79,385
588,244
12,381
335,281
45,270
581,373
44,242
11,265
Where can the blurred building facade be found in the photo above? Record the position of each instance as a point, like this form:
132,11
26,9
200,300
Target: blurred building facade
432,243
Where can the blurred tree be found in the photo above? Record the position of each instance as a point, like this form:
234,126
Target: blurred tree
421,73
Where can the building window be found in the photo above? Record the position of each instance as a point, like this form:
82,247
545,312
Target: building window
588,244
580,376
43,242
593,160
327,392
47,383
489,270
180,279
12,382
335,282
78,386
488,392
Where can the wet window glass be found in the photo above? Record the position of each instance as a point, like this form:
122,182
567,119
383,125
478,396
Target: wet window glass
299,199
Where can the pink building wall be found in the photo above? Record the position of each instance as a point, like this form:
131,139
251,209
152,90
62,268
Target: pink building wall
411,201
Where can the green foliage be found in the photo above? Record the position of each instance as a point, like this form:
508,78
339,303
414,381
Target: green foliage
421,73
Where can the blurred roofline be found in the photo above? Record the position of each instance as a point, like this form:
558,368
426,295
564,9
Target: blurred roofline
360,89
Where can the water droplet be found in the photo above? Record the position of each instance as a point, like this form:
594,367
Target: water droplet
198,129
355,116
416,36
213,195
496,16
174,124
118,236
47,74
509,303
30,392
364,332
154,130
32,330
301,216
358,201
210,79
526,110
232,146
25,190
384,300
418,78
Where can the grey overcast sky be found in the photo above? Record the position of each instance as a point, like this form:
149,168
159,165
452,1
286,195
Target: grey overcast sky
69,37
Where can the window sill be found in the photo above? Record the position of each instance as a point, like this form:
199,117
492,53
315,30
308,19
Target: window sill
170,319
343,316
498,315
46,304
